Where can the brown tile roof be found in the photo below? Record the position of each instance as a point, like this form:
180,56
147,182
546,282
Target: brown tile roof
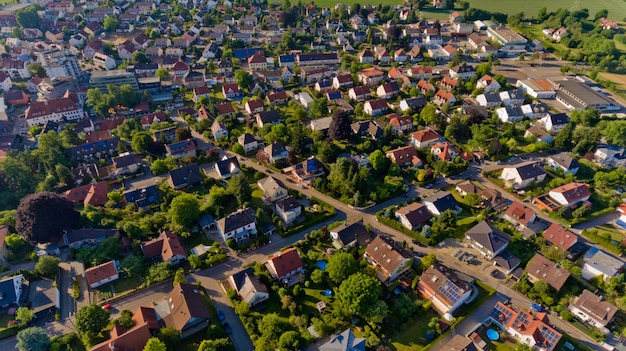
92,137
48,107
385,255
416,213
520,212
133,339
100,272
543,269
426,134
166,246
186,305
403,155
97,194
371,72
593,305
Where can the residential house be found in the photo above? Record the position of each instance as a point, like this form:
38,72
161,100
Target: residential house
102,274
541,268
164,136
462,72
239,225
554,123
599,263
185,176
346,341
276,152
143,197
11,289
443,97
420,72
591,309
413,216
277,98
400,56
288,209
323,85
286,265
371,76
424,138
349,235
388,90
219,130
535,111
249,142
257,61
181,149
307,171
304,99
184,309
273,189
510,114
520,215
462,343
448,83
610,156
360,93
343,81
368,128
560,237
532,330
466,187
405,156
492,199
489,99
488,84
366,57
440,202
401,124
571,194
563,162
135,338
78,238
487,239
376,107
414,104
539,135
89,194
227,167
254,106
445,151
224,109
445,288
512,97
523,175
249,287
165,248
390,261
231,91
125,164
267,117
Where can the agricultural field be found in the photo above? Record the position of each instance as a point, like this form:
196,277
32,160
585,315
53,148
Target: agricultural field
618,79
331,3
616,8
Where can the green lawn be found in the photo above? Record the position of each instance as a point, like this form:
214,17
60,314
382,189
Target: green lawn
616,8
126,284
498,345
411,337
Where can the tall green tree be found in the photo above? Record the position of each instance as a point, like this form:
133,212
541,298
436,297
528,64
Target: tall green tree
47,266
184,210
359,294
340,266
154,344
92,319
33,339
240,189
141,141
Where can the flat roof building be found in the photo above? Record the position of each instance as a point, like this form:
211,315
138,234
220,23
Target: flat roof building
577,95
102,79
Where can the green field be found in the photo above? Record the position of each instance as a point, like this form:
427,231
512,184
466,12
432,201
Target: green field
616,8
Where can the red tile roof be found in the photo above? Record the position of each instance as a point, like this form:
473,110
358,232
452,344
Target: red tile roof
573,191
286,262
166,246
560,237
426,134
520,212
48,107
100,272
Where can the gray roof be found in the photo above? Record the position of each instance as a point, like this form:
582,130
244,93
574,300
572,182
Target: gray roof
288,203
564,160
460,343
227,166
349,233
603,262
529,170
559,118
416,102
7,290
488,236
507,260
346,341
235,220
186,175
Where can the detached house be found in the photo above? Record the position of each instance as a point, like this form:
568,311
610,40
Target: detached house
249,287
532,330
424,138
390,261
522,175
185,176
440,202
520,215
445,288
589,308
360,93
165,248
554,123
273,189
487,239
231,91
599,263
343,81
570,195
405,156
288,209
414,104
388,90
349,235
488,84
227,167
462,72
238,225
560,237
286,265
541,268
181,149
102,274
563,162
249,142
371,76
376,107
413,216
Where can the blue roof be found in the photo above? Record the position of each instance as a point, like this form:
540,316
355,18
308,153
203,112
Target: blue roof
7,291
143,197
286,58
244,53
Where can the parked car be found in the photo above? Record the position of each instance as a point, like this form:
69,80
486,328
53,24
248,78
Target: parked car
228,329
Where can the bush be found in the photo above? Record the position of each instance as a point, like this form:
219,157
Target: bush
75,290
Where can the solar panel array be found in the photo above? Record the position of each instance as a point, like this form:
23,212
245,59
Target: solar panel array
522,317
450,291
550,336
501,309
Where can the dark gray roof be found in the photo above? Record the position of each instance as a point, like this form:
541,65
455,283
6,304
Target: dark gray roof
236,220
492,97
416,102
143,197
355,231
123,161
507,260
559,118
530,170
7,291
185,176
442,200
269,116
288,203
564,160
488,236
227,166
